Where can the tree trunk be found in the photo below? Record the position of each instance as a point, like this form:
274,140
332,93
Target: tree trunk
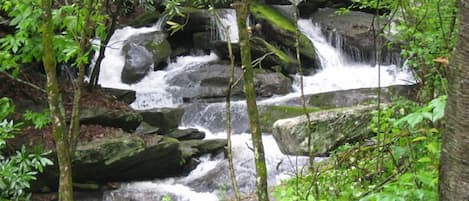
454,162
56,106
249,91
74,131
111,28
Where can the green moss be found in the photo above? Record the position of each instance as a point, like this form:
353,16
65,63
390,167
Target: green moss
277,52
271,15
269,114
145,19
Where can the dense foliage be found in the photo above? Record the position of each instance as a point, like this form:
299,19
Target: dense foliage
426,32
17,170
399,163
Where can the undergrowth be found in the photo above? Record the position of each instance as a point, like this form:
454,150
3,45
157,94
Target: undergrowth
399,163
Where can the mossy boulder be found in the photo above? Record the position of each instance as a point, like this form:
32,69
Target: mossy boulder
166,119
353,33
362,96
127,157
272,55
128,120
281,30
329,129
269,114
142,53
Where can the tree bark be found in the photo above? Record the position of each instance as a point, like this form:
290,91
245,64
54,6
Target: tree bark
249,91
454,162
56,106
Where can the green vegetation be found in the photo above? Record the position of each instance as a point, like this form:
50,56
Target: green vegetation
19,169
399,163
426,32
269,14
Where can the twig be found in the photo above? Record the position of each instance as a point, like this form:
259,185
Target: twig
24,82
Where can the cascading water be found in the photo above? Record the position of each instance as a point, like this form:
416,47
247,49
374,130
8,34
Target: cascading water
210,180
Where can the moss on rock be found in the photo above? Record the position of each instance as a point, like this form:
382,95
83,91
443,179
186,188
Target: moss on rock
269,114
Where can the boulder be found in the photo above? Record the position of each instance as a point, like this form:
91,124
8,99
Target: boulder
276,28
307,8
144,128
144,52
138,61
123,95
269,83
354,97
187,134
352,32
194,148
270,56
329,129
127,158
165,119
118,157
210,82
128,120
269,114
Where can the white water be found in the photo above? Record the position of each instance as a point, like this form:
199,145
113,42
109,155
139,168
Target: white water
210,180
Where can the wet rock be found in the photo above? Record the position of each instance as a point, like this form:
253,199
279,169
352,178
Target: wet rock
126,158
138,62
164,118
119,157
187,134
123,95
142,53
210,82
128,120
193,148
352,32
146,129
270,83
330,128
260,48
280,30
354,97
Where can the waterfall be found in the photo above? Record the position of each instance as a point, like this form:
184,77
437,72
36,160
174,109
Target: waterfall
210,180
228,20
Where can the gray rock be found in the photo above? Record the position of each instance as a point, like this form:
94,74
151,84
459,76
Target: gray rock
138,61
145,129
352,32
128,120
123,95
193,148
354,97
260,48
210,82
144,52
164,118
126,158
330,128
187,134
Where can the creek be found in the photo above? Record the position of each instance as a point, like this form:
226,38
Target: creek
210,181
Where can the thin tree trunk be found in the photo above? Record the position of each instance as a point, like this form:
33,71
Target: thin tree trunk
56,106
111,24
454,168
249,90
229,151
74,131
